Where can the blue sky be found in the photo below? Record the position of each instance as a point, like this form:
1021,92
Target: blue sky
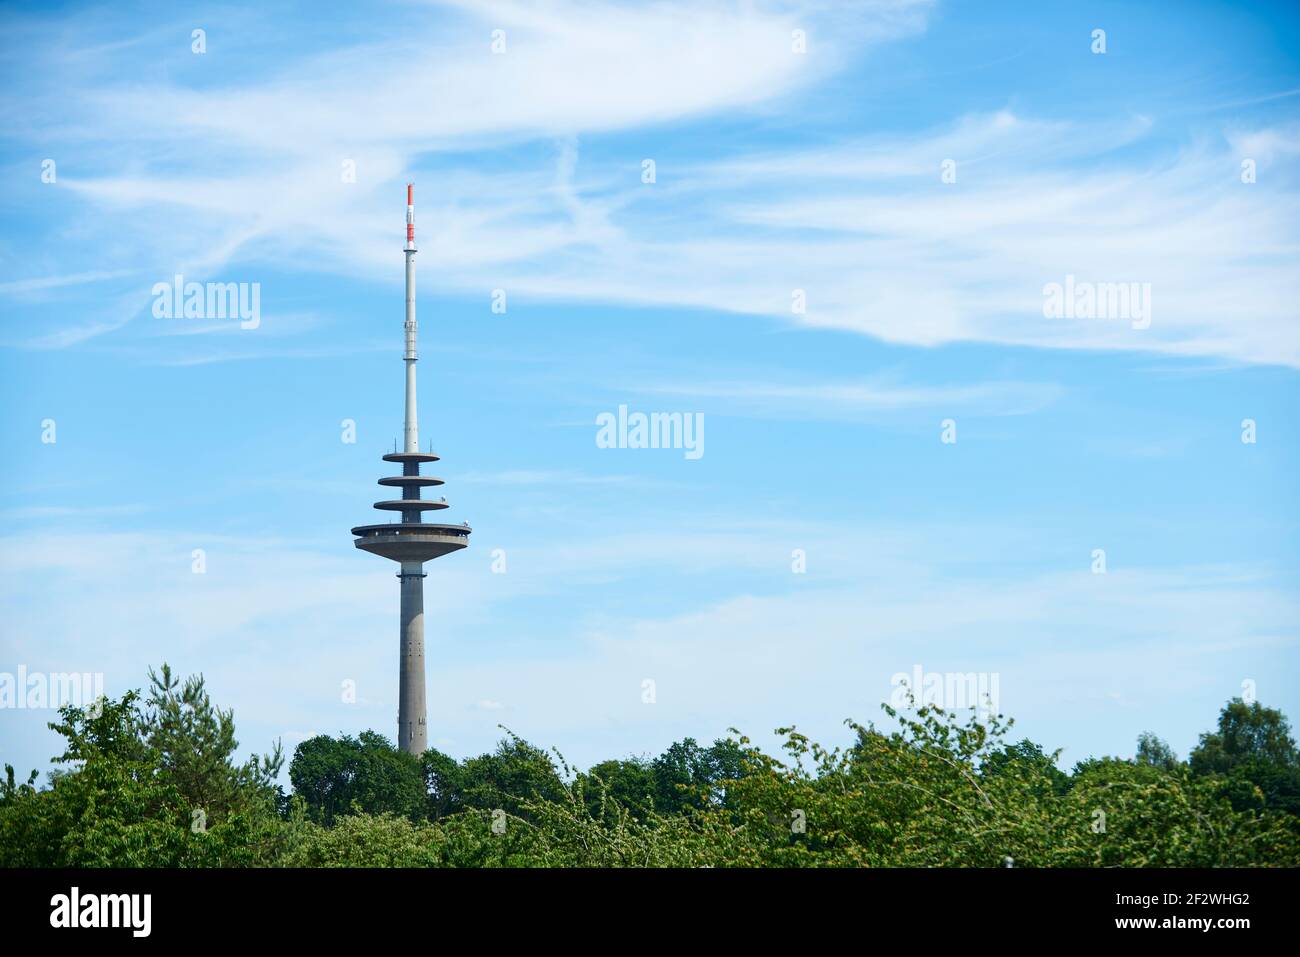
775,171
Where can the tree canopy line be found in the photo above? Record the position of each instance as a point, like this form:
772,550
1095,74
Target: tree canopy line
153,781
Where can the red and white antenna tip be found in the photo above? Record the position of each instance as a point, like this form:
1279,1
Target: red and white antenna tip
410,215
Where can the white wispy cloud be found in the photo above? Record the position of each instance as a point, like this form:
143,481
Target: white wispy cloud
877,243
272,192
840,399
873,246
41,283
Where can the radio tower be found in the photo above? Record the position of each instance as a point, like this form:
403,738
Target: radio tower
411,542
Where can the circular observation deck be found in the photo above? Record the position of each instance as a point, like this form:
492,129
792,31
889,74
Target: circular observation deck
422,480
413,504
411,541
415,457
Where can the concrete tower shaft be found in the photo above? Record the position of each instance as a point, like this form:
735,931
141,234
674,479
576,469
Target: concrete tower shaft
412,732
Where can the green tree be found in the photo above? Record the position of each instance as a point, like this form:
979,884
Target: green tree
687,775
1026,756
1253,751
346,775
194,745
1155,753
630,783
121,798
508,779
442,783
1127,814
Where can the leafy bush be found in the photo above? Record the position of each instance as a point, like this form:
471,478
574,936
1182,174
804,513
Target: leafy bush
155,784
